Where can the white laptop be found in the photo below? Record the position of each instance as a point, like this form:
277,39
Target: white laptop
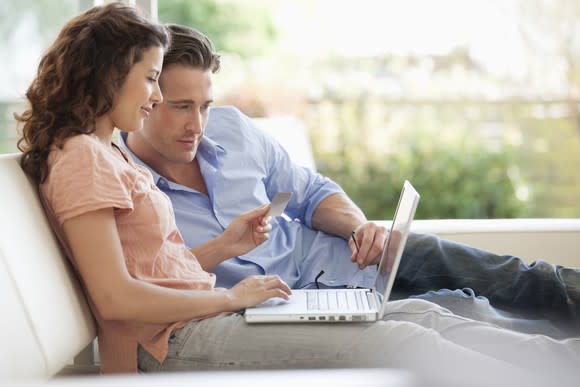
347,305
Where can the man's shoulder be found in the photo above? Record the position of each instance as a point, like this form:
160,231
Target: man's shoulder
225,121
225,115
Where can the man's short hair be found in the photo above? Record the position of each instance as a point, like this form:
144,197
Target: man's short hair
191,48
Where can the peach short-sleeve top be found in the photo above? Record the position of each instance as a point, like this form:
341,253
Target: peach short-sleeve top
87,175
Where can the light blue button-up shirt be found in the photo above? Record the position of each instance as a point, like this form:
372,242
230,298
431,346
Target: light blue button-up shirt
243,168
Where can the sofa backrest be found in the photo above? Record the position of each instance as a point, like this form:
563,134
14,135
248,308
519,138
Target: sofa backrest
292,134
45,320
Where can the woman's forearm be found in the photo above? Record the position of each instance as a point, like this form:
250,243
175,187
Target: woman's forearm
145,302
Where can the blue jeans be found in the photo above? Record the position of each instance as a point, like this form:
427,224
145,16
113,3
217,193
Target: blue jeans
463,279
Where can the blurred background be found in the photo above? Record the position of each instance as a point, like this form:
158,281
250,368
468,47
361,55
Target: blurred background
477,102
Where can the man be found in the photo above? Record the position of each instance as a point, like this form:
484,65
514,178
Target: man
216,166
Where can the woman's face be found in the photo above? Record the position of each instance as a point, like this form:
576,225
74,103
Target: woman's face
139,92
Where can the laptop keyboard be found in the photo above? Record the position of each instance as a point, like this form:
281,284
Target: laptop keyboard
337,300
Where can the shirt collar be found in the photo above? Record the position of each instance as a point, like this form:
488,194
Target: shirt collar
208,149
211,151
122,144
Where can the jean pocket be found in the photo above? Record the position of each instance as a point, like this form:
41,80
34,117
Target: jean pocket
178,338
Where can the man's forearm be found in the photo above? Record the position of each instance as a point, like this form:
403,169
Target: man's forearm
337,215
211,253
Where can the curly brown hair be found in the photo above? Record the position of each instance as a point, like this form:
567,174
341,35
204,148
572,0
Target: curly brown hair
79,77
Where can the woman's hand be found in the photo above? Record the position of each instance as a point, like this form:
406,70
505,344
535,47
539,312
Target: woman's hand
247,231
256,289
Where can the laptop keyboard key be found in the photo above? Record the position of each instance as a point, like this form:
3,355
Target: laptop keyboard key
351,300
342,303
311,300
323,300
332,301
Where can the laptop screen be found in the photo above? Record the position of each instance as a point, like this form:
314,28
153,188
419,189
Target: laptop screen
395,244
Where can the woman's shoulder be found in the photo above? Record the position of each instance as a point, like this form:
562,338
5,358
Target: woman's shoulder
82,150
80,144
80,141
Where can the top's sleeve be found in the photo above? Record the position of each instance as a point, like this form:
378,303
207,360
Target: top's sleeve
84,177
308,187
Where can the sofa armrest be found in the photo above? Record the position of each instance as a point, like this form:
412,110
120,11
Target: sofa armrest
553,240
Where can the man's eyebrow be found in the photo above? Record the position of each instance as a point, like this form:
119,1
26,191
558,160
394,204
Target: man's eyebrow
156,71
186,101
180,101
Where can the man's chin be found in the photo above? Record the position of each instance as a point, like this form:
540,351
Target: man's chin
182,158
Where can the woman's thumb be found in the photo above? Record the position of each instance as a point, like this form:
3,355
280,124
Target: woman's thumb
258,211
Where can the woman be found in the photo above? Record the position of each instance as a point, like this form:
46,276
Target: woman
102,73
148,292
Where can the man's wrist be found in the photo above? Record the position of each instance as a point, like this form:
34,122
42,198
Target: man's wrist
212,253
223,248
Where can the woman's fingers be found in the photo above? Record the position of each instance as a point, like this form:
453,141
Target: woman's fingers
256,212
275,284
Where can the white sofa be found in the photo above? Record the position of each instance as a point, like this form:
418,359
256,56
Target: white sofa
45,319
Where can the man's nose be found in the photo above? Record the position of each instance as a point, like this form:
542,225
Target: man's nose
157,96
195,123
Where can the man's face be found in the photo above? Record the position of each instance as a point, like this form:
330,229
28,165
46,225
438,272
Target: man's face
175,126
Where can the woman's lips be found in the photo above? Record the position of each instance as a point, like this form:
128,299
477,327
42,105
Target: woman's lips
146,110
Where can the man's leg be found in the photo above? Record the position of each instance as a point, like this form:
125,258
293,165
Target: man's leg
532,352
329,255
464,302
539,290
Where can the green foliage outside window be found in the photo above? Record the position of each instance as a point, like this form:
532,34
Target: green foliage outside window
244,28
455,180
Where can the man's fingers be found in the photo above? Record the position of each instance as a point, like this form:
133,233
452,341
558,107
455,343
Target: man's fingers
365,252
372,241
353,250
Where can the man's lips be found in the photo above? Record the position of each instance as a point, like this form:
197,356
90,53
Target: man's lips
187,143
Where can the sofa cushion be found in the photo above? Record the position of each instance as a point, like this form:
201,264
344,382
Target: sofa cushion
50,321
20,353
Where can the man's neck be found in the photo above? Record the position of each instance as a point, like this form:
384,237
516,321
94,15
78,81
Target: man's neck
188,175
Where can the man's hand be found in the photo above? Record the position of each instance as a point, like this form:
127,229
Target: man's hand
256,289
247,231
371,240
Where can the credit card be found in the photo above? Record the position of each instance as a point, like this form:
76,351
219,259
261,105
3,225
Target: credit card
278,203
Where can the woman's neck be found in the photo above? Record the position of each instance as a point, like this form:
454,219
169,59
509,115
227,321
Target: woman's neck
104,130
